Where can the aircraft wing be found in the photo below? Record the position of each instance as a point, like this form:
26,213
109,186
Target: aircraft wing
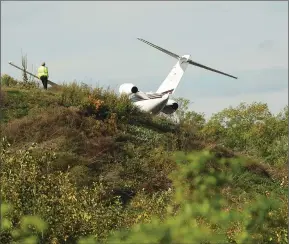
139,96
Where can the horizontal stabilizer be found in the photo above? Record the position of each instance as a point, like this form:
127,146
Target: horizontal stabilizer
208,68
187,61
161,49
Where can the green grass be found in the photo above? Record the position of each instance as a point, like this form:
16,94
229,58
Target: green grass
18,102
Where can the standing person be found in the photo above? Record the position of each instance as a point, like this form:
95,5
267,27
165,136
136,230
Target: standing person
43,75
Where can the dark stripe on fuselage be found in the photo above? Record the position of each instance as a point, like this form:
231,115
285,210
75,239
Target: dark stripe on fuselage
169,91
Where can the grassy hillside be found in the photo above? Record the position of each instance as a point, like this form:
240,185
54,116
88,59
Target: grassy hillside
90,164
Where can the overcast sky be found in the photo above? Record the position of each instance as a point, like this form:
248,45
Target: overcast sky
95,42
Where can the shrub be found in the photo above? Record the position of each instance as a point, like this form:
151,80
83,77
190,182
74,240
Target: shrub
7,80
203,215
30,230
199,214
251,129
30,186
73,94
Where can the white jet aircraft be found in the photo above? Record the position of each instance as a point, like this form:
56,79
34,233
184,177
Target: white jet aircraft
159,101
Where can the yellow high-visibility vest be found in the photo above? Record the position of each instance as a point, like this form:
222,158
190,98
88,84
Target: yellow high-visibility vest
42,71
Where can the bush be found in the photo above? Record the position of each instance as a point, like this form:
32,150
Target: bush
30,229
251,129
73,94
203,214
31,186
200,212
7,80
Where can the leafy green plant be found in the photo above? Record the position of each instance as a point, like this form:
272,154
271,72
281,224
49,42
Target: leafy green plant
73,94
202,214
7,80
30,230
251,129
34,189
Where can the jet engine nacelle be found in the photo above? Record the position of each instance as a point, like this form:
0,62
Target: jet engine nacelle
170,107
128,88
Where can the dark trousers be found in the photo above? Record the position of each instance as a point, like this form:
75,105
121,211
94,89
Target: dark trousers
44,80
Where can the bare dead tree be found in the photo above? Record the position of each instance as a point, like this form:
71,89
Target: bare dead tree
24,66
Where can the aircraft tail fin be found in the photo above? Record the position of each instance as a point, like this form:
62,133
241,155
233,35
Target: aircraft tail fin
173,79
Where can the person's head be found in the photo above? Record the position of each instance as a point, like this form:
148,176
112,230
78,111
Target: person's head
43,64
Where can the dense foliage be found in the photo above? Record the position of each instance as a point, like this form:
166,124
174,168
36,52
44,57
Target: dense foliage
82,165
253,130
